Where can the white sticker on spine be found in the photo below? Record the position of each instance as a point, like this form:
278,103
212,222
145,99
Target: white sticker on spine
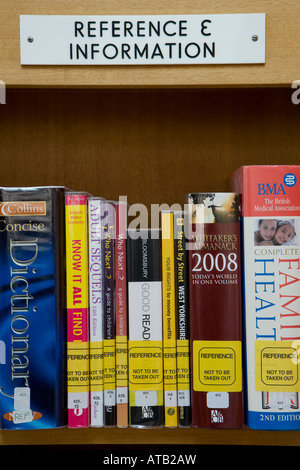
146,398
217,400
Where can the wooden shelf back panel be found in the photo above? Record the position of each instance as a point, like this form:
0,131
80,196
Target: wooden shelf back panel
151,146
282,51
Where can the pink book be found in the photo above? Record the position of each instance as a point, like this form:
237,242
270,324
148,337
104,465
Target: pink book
77,310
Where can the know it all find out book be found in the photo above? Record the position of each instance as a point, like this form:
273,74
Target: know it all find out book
32,326
77,298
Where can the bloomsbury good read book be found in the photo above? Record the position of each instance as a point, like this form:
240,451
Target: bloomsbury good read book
145,348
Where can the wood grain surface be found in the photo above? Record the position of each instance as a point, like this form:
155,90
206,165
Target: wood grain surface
151,146
65,436
280,69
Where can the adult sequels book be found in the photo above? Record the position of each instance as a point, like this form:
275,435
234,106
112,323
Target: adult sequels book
96,312
32,320
145,345
213,244
271,215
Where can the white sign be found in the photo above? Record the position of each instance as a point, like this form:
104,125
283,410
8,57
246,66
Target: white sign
140,40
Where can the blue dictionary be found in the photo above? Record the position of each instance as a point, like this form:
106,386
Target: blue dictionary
32,325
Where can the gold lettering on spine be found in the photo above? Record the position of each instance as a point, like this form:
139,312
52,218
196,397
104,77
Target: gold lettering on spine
19,307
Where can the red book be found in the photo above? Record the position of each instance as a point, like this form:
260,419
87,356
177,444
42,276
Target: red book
215,309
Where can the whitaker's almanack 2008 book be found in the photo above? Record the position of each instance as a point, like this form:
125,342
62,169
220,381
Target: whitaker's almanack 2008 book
32,326
271,215
215,309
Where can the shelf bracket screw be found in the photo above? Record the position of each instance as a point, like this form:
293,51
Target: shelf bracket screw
30,39
254,38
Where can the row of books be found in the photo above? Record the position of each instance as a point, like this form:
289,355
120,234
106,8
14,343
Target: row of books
192,323
126,364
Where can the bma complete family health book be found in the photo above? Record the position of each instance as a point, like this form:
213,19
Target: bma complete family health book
271,215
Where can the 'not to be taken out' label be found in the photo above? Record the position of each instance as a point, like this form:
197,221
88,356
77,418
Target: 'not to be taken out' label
277,366
217,365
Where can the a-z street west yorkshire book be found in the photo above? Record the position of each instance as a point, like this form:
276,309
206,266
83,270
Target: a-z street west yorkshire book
215,309
271,215
32,326
145,348
77,298
182,320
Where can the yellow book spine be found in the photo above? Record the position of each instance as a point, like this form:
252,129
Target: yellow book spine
169,320
109,368
122,380
77,310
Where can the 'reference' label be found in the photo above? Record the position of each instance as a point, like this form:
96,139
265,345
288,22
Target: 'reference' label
217,366
78,370
145,365
277,366
183,364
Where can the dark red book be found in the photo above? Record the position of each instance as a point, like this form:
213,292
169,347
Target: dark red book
213,223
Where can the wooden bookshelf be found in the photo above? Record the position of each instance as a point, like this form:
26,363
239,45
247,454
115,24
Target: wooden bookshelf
194,437
152,134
